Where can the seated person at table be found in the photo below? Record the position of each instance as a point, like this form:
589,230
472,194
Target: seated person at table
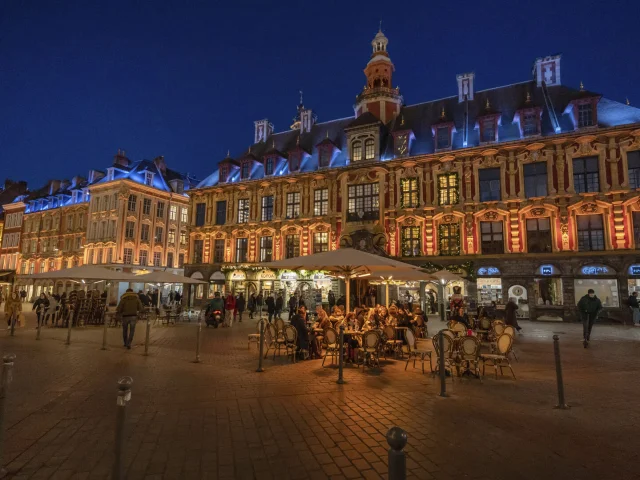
382,317
461,319
419,320
336,316
361,318
403,318
299,322
322,319
393,316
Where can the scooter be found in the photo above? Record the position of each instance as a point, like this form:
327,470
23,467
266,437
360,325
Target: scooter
215,318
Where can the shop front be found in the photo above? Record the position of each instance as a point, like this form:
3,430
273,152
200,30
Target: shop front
634,278
489,286
602,279
216,284
197,291
267,280
238,281
548,294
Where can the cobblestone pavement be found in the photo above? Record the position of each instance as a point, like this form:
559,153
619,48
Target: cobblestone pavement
220,419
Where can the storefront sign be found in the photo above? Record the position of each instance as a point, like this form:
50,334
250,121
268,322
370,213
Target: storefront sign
634,269
288,276
238,275
267,275
595,270
548,270
488,271
319,276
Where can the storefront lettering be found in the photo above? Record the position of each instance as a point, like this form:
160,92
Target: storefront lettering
546,270
488,271
634,270
594,270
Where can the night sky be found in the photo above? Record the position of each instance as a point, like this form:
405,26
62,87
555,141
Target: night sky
80,79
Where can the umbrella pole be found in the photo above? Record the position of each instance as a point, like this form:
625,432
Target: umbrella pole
347,280
386,293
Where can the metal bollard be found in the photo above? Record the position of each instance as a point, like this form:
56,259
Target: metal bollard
38,331
197,360
261,348
341,358
397,439
442,370
68,342
124,396
556,350
13,325
105,326
7,377
146,338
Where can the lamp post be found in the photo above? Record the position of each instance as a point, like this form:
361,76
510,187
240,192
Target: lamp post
442,284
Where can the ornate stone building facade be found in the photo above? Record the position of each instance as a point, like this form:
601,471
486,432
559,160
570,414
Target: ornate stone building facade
529,190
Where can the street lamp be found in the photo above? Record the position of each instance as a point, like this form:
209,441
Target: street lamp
442,284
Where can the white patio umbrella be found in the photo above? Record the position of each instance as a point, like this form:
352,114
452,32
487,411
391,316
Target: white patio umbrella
345,263
163,277
388,277
84,272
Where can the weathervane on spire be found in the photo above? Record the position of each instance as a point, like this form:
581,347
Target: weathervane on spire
380,28
300,97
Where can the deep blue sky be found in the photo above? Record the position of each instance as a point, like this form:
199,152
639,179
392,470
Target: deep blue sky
186,79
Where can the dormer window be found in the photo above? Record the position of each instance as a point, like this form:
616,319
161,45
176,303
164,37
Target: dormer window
223,172
585,115
294,161
269,165
488,130
110,174
148,178
369,149
324,157
356,150
530,123
245,170
443,137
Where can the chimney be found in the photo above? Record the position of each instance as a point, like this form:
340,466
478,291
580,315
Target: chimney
547,70
120,159
162,166
54,186
263,129
465,86
307,119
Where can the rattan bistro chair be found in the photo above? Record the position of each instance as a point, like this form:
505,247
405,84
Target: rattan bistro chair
501,358
469,353
511,330
393,345
290,341
332,349
369,350
415,352
270,338
255,337
449,361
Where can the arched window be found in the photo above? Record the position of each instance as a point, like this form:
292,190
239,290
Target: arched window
356,151
369,149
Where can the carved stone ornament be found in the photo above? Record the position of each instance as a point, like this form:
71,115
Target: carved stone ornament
447,218
219,235
265,232
409,172
589,208
321,228
410,221
537,212
291,230
241,233
491,215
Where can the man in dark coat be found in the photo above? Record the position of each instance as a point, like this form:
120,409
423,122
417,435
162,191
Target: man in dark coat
332,300
298,321
271,306
589,307
240,304
293,306
279,305
510,314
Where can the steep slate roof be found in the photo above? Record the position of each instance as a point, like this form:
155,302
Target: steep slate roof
421,117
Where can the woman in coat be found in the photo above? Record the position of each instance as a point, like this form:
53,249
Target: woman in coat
40,306
12,307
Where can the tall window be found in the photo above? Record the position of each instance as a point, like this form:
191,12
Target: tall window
244,170
184,215
410,241
221,212
241,249
129,230
201,209
356,150
160,210
324,157
148,178
449,238
267,208
363,202
183,238
146,206
585,175
369,149
448,188
158,235
144,232
268,166
180,260
173,212
243,210
293,205
89,257
636,228
109,255
131,204
488,127
321,201
320,242
492,239
99,255
223,173
409,192
294,161
172,236
218,251
489,180
144,258
292,246
585,115
633,162
170,259
443,138
530,123
157,259
198,250
539,235
266,249
590,233
535,179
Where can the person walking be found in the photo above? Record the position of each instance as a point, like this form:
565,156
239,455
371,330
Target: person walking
23,295
252,305
129,308
40,306
240,306
12,307
259,303
332,300
271,307
510,313
589,307
635,308
229,308
293,306
279,306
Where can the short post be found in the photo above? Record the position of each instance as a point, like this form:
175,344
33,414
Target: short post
124,396
442,371
146,337
68,342
261,348
397,439
556,350
104,333
341,356
197,360
7,377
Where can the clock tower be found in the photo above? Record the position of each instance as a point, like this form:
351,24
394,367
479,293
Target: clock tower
378,96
